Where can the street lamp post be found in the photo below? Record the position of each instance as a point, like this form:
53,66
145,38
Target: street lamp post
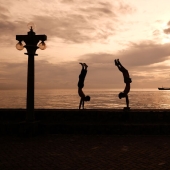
31,40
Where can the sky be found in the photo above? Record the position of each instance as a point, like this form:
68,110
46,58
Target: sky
94,32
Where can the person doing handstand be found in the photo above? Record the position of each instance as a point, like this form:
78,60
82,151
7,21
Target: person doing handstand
81,85
127,81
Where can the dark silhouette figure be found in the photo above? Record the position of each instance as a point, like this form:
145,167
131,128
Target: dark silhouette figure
81,85
127,81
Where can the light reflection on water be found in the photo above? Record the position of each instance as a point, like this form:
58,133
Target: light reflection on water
69,99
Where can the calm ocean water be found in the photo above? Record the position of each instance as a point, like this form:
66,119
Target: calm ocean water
69,99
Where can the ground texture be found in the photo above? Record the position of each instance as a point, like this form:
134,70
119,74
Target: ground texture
85,152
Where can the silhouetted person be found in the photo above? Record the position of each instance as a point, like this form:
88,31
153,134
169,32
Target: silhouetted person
127,81
81,85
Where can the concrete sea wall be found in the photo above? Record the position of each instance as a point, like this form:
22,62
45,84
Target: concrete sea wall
97,121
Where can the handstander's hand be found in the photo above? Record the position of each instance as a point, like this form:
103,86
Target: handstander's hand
80,103
126,108
83,104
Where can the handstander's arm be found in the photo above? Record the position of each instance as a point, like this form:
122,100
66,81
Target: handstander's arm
80,103
83,104
127,101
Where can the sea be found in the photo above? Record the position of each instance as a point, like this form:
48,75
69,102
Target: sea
100,99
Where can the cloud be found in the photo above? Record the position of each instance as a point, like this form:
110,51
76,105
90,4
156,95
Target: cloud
167,30
147,64
12,75
9,29
125,8
3,9
145,53
137,54
6,26
156,33
55,76
67,1
72,22
98,11
47,75
168,23
83,25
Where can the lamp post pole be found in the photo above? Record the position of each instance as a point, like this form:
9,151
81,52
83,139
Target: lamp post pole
31,40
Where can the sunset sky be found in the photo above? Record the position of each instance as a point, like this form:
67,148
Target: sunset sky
95,32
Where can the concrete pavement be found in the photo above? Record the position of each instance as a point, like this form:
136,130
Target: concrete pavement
85,152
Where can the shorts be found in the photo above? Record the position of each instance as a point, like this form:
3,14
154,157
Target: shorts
127,80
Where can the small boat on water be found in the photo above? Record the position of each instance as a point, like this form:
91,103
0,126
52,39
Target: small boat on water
163,88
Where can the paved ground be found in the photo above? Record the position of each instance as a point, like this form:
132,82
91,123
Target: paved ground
85,152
